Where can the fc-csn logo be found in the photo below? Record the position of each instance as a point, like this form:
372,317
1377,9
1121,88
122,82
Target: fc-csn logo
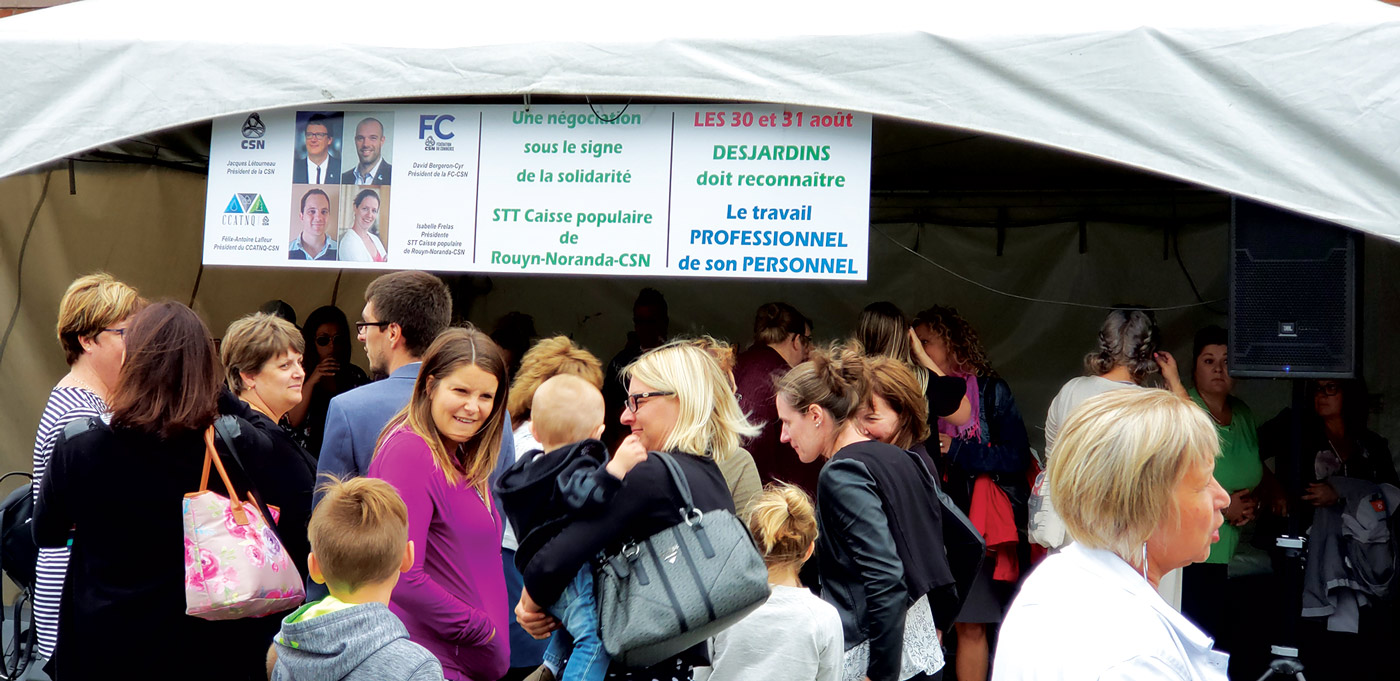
253,130
435,130
243,209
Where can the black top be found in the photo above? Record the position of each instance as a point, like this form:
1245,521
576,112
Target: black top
313,428
123,605
646,503
287,482
543,494
944,395
880,546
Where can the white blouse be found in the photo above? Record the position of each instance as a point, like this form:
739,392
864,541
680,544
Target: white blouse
352,248
1086,614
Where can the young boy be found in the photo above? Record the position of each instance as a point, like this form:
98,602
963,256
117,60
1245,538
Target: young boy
359,546
547,489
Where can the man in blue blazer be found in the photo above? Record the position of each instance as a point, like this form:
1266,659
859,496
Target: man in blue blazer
404,312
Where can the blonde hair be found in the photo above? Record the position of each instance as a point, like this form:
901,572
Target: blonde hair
892,380
547,358
475,459
709,421
566,409
92,303
358,531
251,341
784,524
1117,462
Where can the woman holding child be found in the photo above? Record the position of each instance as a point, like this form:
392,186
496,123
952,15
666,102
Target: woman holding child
438,453
678,402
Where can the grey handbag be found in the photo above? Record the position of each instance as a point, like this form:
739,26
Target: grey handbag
662,595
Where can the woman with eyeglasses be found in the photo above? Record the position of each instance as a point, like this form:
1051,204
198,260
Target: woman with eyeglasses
678,401
1346,634
92,319
1336,444
112,493
328,373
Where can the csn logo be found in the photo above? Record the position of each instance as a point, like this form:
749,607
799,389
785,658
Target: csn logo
435,131
253,130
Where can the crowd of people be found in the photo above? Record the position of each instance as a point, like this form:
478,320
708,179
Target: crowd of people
447,509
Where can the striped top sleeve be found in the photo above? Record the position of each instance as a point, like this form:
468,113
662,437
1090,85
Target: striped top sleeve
66,405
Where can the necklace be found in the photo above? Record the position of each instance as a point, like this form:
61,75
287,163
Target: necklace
83,384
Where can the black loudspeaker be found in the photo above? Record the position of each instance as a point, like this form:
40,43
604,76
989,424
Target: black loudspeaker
1295,296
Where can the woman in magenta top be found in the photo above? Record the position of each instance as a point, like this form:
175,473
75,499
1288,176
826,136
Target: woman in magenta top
438,453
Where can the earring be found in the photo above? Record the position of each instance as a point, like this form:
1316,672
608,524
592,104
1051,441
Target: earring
1144,560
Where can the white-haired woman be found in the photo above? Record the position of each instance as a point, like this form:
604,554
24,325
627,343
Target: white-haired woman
678,402
1132,479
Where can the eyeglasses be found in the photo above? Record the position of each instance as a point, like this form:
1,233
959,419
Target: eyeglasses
360,327
318,135
323,341
1328,389
631,402
119,332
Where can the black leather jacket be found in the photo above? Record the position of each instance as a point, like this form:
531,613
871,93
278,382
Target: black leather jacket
861,571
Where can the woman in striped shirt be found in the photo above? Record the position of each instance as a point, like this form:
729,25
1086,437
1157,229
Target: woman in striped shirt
92,319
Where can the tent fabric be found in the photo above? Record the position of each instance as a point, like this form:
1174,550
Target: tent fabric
1290,102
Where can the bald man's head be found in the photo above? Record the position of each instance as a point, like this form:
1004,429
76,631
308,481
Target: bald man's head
566,409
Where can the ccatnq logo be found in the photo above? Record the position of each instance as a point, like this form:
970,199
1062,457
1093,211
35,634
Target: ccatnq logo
246,203
243,209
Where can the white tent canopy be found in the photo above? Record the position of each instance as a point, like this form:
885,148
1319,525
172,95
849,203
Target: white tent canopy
1291,102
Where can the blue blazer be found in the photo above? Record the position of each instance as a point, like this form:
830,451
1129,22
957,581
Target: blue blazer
354,420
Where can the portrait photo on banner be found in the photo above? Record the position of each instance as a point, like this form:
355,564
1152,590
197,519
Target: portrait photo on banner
364,224
369,148
318,154
315,217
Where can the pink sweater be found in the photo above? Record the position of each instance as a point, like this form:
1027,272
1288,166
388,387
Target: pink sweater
453,600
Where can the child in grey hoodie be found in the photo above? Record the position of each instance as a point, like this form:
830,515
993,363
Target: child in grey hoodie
359,547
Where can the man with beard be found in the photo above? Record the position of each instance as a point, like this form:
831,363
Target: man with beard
369,142
313,243
320,166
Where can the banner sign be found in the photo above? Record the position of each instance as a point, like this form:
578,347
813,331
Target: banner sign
747,191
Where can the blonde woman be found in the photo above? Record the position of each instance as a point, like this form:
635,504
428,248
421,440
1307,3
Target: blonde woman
1132,478
678,402
92,320
438,453
740,471
794,636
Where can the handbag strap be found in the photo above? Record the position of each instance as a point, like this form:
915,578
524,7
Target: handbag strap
682,485
240,516
224,427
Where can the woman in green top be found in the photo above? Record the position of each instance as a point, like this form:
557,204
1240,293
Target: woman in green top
1203,590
